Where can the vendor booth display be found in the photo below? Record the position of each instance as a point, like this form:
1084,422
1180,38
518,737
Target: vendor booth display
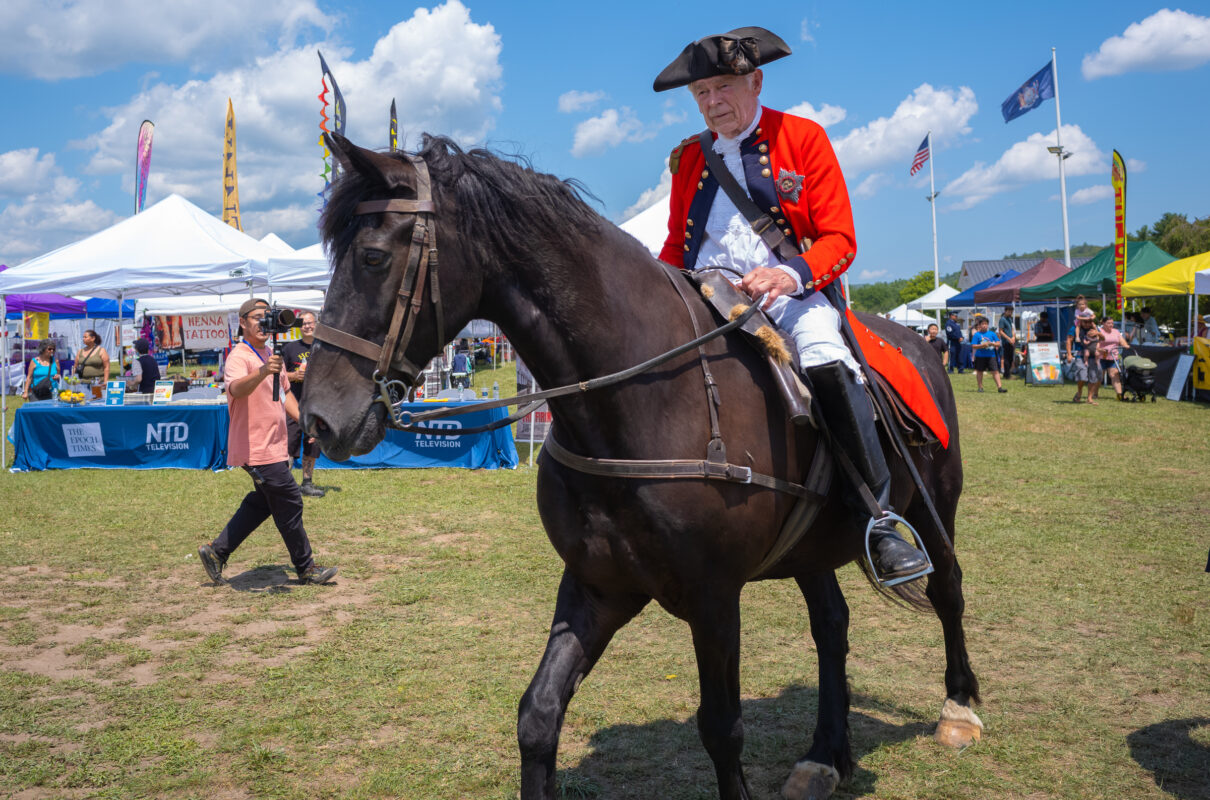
1098,275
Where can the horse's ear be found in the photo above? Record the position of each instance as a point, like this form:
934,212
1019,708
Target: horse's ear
376,167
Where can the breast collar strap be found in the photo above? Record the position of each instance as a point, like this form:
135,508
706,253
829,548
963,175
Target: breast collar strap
420,269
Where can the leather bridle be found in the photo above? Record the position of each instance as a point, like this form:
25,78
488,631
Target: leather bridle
419,271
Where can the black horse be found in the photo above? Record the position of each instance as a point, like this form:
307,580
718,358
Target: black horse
579,298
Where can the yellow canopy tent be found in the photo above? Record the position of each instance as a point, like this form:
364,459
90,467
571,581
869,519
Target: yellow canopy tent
1173,278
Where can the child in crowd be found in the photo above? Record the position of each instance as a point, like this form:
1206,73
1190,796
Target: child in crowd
985,344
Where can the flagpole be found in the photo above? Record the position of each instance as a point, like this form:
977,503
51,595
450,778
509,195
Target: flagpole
1054,72
933,209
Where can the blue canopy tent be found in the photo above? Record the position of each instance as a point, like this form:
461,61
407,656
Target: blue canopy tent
966,299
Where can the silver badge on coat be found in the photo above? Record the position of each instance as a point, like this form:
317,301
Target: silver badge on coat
789,184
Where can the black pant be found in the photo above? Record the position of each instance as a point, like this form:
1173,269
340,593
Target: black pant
955,355
1006,362
296,440
275,493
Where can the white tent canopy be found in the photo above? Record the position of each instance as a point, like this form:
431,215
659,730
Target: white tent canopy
912,319
172,248
650,227
216,304
277,243
934,300
1201,282
303,269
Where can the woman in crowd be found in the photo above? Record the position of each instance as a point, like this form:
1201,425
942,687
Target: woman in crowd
43,375
1082,338
1112,341
93,361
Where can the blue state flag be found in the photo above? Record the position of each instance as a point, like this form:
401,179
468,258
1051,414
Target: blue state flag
1031,94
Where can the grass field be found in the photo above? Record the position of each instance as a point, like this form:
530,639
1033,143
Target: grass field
1082,532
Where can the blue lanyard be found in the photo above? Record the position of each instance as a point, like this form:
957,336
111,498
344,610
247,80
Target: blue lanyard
254,350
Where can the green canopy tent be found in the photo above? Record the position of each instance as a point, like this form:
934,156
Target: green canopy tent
1097,275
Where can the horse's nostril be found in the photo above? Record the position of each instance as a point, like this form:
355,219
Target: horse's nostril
320,425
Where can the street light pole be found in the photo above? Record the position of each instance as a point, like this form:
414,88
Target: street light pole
1063,156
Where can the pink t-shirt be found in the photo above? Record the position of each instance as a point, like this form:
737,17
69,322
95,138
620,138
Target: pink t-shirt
257,432
1108,349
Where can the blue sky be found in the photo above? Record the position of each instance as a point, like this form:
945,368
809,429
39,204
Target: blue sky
569,86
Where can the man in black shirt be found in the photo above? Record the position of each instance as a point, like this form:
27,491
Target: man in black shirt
294,359
149,371
953,336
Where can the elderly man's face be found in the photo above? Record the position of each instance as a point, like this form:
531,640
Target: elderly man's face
728,102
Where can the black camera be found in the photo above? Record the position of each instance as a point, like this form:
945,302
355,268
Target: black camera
279,320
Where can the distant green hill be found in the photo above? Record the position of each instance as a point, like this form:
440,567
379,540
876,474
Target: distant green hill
1079,251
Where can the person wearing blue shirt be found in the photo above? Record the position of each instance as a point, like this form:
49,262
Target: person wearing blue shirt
984,343
953,337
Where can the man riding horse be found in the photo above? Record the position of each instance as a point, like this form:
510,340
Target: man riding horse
790,189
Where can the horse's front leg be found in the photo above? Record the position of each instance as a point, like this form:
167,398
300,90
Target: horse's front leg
716,644
584,622
830,759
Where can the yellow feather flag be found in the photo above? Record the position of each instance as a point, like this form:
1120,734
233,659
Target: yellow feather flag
1118,179
230,179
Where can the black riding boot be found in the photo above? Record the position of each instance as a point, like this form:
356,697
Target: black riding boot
849,415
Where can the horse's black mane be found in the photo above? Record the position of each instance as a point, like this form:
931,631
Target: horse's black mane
506,211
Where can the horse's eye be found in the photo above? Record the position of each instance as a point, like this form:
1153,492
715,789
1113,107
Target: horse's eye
375,260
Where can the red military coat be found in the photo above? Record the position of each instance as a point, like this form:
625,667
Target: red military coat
792,175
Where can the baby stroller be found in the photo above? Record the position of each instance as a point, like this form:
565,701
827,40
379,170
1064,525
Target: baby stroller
1138,378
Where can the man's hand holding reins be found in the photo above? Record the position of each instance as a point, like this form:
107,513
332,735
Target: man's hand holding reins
770,280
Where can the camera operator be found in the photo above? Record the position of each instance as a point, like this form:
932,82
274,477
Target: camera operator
295,355
256,441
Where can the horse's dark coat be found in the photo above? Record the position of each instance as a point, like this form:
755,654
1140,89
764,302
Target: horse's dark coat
579,298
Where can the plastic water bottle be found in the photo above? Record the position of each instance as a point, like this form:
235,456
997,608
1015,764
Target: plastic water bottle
484,392
495,390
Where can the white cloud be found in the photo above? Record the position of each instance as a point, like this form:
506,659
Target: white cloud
442,68
651,196
73,38
825,116
22,171
1027,162
870,275
893,140
1133,165
804,31
575,100
872,183
1167,40
609,129
1092,194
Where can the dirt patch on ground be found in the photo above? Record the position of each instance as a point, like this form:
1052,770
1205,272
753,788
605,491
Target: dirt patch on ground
125,648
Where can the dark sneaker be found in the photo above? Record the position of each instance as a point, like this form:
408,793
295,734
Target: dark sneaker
893,557
309,489
1002,390
317,574
213,564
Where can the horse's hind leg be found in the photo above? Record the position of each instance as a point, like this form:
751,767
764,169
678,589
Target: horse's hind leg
959,726
584,622
830,759
716,644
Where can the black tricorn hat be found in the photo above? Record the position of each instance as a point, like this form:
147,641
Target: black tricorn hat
736,52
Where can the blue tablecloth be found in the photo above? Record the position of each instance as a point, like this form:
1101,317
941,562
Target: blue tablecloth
490,450
48,435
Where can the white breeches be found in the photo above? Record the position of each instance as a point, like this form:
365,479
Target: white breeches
815,327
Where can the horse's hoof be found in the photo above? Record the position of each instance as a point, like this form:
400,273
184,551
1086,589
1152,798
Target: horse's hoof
810,780
959,726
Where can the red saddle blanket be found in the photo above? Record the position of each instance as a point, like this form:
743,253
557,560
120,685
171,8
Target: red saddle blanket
889,361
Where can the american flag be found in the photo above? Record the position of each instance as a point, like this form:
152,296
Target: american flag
922,155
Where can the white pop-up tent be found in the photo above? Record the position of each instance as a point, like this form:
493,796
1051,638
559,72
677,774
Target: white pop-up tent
216,304
912,319
306,268
172,248
650,226
934,300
